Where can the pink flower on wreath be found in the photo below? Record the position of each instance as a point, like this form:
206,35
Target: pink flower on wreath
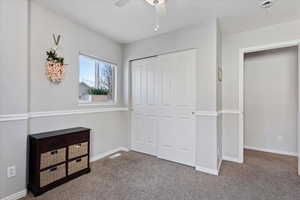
55,71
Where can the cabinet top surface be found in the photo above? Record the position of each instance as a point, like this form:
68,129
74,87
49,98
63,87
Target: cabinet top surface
59,132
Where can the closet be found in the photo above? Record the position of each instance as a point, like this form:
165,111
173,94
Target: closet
163,90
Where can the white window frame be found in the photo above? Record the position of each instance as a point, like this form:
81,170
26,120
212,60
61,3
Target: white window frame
114,101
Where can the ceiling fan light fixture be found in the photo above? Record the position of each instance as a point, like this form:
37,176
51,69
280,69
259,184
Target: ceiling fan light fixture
155,2
266,4
160,10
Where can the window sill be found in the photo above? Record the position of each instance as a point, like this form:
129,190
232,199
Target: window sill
106,103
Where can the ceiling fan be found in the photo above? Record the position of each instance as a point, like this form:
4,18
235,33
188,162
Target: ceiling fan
159,5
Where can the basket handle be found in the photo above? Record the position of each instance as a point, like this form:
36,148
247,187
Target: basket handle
54,152
53,169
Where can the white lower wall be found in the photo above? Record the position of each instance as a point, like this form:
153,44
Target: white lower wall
109,132
230,136
206,143
219,139
109,129
13,148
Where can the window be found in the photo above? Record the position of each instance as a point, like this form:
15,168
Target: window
96,80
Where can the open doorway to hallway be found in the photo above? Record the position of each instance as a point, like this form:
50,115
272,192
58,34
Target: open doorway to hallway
271,107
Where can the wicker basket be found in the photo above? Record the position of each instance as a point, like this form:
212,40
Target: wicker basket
52,157
78,150
52,175
77,165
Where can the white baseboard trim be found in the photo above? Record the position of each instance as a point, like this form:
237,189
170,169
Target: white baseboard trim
207,170
16,196
272,151
124,149
107,153
219,167
231,159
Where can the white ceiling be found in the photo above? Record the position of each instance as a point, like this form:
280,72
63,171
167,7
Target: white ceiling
136,20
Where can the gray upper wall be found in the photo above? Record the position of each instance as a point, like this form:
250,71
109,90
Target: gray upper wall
46,96
13,56
231,45
203,38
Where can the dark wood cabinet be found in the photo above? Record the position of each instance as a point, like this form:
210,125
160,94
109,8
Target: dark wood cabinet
56,157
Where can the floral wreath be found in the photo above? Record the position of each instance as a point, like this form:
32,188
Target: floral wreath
55,67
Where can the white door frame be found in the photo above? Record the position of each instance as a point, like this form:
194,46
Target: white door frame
242,53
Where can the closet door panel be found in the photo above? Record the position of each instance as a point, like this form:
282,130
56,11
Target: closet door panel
163,92
143,121
176,135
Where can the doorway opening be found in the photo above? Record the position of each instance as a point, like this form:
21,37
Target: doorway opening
268,100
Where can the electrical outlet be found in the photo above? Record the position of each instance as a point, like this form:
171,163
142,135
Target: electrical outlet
11,171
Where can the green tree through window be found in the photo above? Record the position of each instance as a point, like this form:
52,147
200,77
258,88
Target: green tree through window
96,74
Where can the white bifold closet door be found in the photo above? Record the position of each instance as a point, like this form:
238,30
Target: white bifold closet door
163,106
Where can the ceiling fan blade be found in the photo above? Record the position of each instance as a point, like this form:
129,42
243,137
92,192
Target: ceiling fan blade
161,9
121,3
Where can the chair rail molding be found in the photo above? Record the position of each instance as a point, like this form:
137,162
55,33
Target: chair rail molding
75,112
30,115
206,113
230,112
13,117
216,113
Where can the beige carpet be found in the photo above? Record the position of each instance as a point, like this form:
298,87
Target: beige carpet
136,176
